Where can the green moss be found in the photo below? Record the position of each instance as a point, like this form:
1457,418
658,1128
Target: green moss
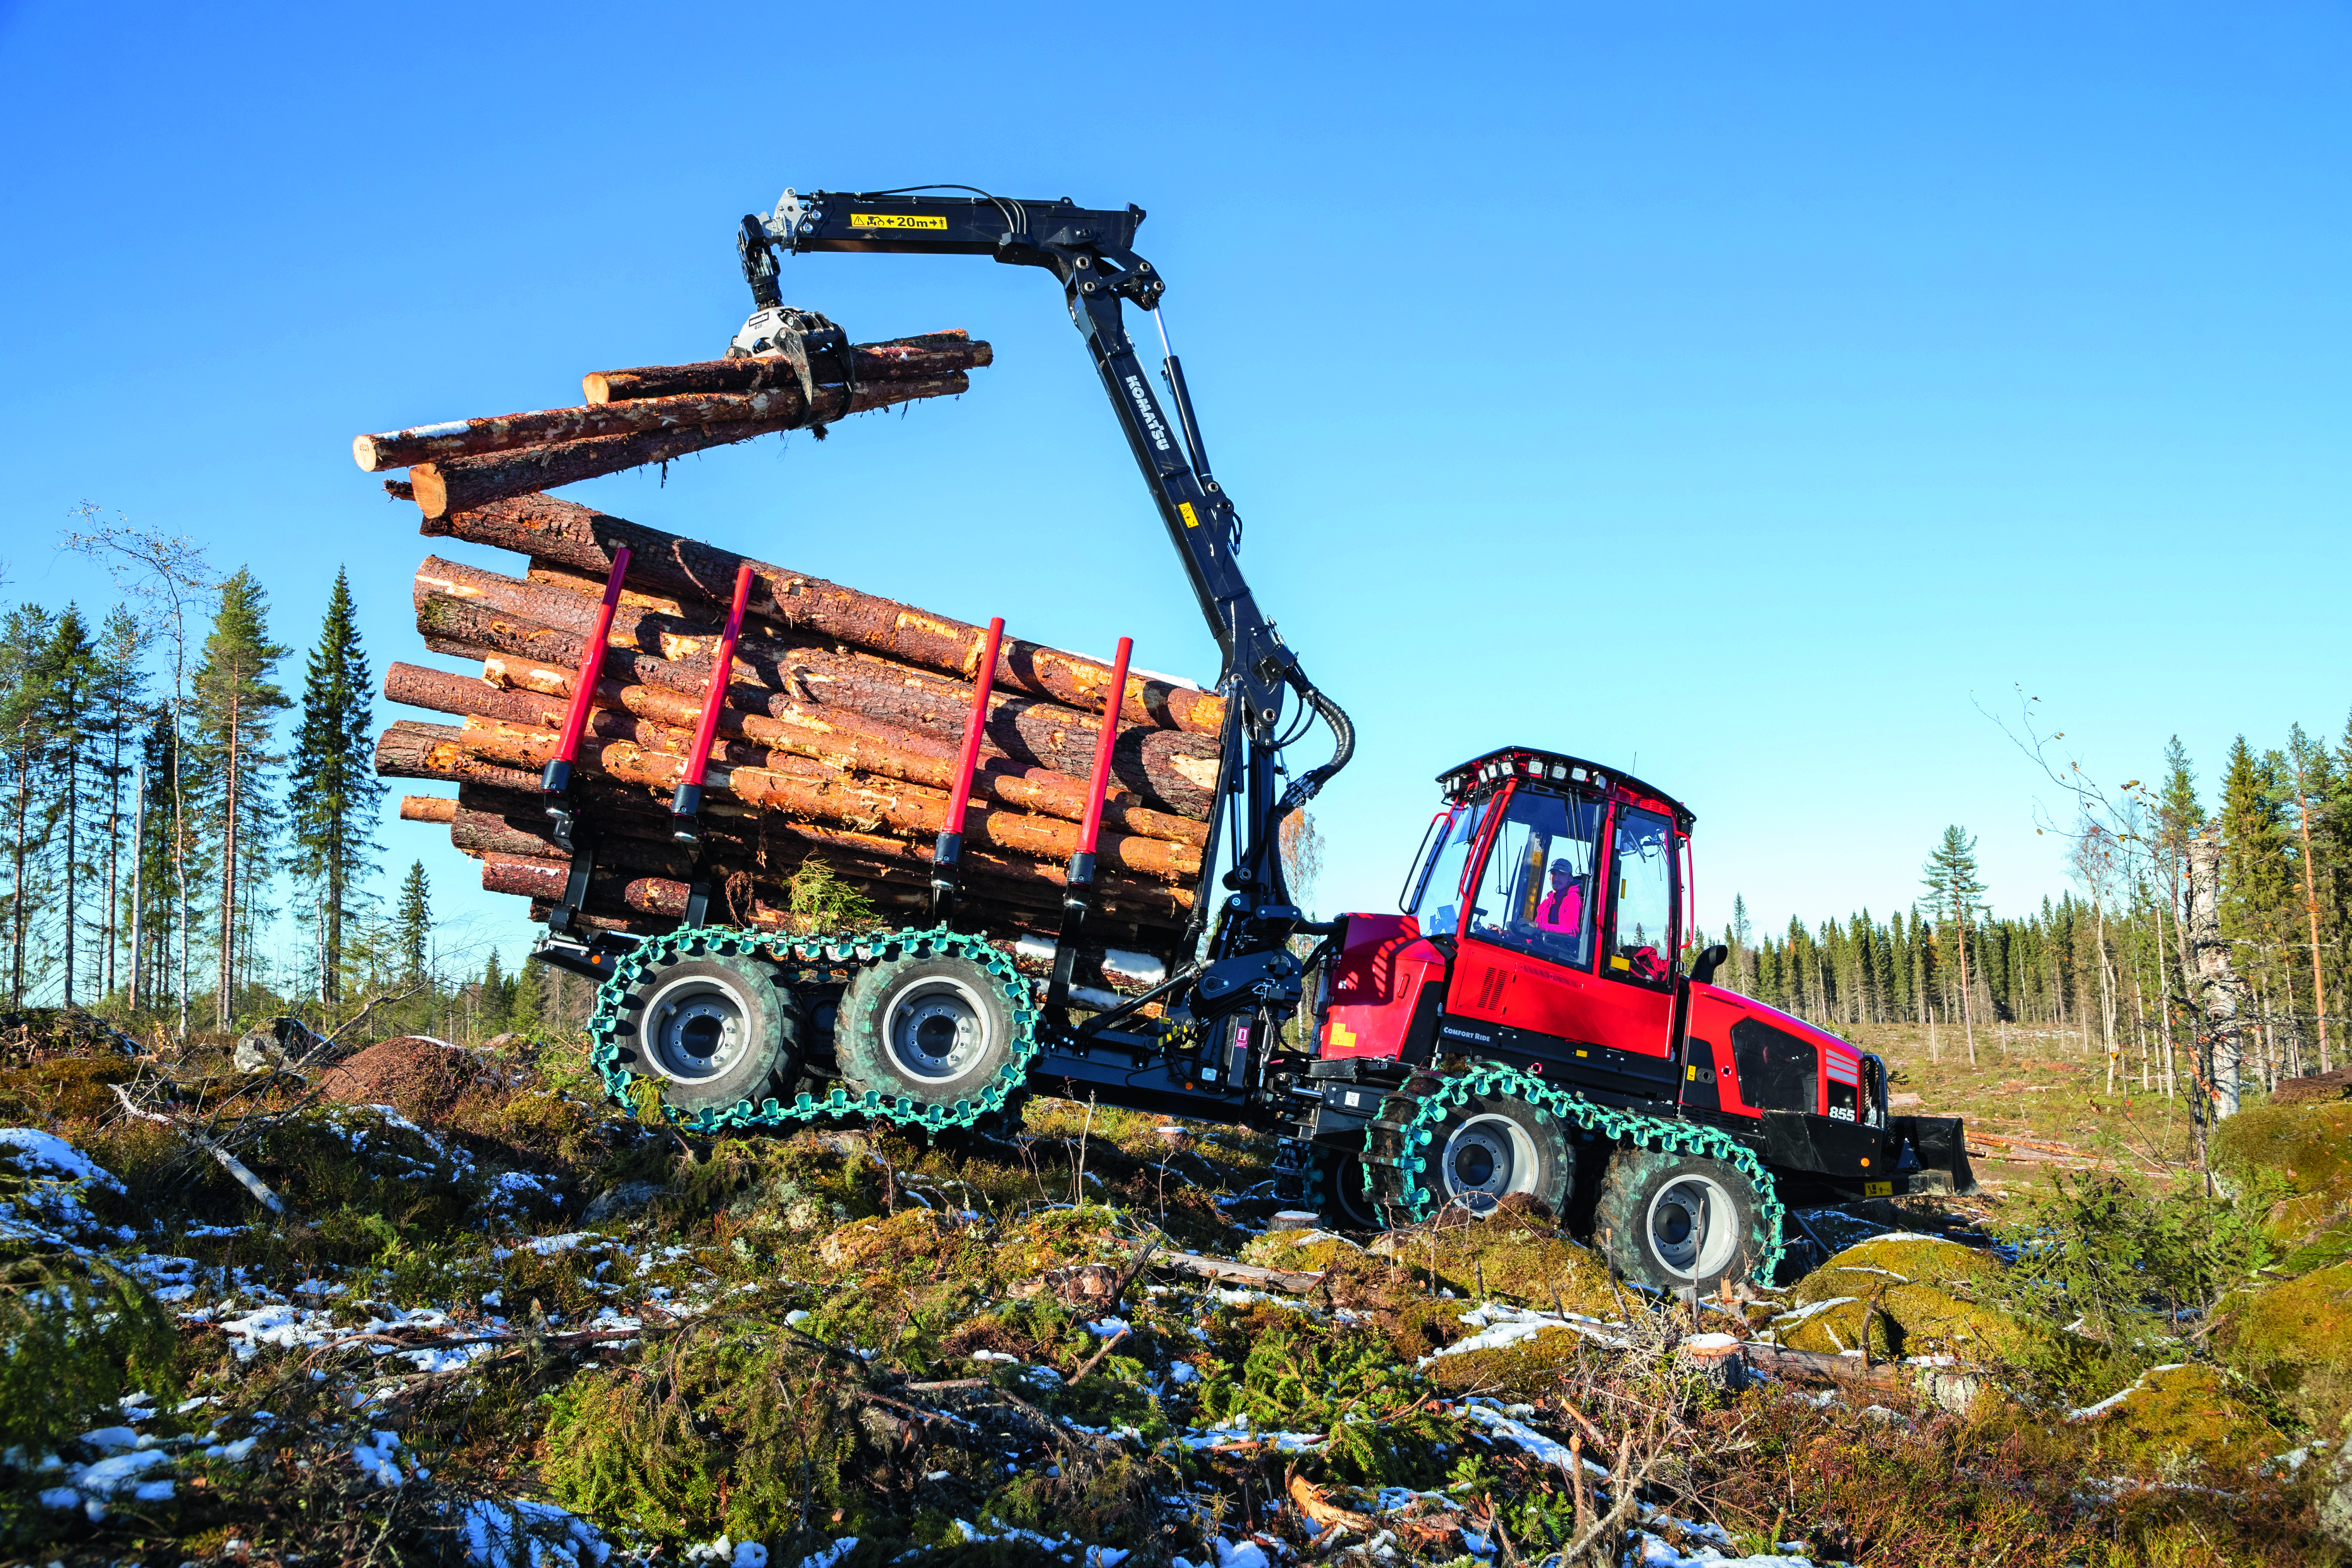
1527,1370
2176,1416
1886,1261
1509,1257
2309,1147
2295,1339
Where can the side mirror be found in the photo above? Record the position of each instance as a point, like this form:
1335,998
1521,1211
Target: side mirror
1704,966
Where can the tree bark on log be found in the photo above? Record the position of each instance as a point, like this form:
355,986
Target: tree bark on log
409,749
566,534
460,483
543,427
923,762
1168,769
637,752
899,359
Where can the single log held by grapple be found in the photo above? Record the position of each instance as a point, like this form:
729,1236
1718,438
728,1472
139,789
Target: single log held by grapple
568,534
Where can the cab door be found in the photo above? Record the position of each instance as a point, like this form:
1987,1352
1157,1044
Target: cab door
1522,966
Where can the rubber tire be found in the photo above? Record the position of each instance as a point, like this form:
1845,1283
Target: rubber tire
861,1046
1549,1179
776,1030
1338,1188
1635,1181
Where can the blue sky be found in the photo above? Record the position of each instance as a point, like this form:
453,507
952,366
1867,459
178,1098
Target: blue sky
1748,390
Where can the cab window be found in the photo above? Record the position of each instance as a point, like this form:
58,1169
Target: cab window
1434,899
1641,899
1536,893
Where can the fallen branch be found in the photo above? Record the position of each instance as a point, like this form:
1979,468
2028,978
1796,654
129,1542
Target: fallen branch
1089,1364
1220,1268
228,1162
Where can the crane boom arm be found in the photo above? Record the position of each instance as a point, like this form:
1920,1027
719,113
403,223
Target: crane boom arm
1091,251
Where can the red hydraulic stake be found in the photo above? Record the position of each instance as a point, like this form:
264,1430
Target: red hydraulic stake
687,804
1079,879
556,781
945,875
1082,864
557,777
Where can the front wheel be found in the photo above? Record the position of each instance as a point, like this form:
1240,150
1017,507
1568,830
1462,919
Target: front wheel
1337,1190
933,1031
1678,1222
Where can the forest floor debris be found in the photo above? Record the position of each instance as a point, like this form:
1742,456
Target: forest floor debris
499,1322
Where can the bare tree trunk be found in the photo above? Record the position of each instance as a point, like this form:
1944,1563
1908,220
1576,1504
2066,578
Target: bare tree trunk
73,855
2218,992
138,875
1968,1003
2311,911
2163,998
17,899
2107,988
224,1010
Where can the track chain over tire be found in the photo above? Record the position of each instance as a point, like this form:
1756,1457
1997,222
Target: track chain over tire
986,1107
1400,1159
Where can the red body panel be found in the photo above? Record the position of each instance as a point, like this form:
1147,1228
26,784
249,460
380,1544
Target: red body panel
1374,985
1714,1012
1494,985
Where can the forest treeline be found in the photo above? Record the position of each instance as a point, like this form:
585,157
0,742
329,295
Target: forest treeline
2105,965
171,809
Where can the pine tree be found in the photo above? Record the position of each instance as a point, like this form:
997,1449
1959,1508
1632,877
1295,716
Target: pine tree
412,926
334,784
68,679
24,641
1950,877
118,701
236,703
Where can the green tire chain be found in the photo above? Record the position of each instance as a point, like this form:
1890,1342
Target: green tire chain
1395,1145
818,953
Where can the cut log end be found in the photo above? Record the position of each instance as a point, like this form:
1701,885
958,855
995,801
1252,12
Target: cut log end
427,808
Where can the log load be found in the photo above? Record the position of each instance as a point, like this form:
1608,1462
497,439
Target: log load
840,726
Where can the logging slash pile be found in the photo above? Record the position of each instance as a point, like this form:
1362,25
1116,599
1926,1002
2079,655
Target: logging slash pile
840,741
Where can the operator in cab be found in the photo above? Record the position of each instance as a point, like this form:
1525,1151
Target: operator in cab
1561,912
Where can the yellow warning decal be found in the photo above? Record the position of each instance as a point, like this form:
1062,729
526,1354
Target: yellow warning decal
895,220
1339,1037
1185,509
1690,1075
1615,962
1878,1189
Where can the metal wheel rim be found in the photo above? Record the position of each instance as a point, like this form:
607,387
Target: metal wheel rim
936,1028
1486,1158
1674,1224
697,1029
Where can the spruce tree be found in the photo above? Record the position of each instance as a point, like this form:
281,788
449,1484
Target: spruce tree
529,1012
411,925
236,706
494,992
333,786
2255,876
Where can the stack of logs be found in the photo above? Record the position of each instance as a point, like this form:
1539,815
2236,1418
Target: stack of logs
839,741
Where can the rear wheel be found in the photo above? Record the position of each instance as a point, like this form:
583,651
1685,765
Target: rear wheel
714,1032
1678,1222
1337,1191
934,1031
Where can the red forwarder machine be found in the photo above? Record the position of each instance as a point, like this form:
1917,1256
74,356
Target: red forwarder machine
1520,1027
